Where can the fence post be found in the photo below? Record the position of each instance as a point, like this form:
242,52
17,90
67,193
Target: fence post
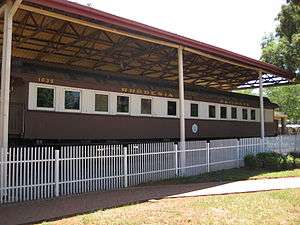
175,147
125,168
238,154
182,148
56,173
2,186
295,143
280,144
262,143
207,156
4,152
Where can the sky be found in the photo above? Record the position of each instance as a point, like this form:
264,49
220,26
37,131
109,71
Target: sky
236,25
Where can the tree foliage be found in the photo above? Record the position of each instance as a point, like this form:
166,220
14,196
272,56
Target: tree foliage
288,99
282,48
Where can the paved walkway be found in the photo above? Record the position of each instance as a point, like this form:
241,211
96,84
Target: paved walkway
29,212
245,186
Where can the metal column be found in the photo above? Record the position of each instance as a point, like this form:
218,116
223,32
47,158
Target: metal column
262,115
181,108
261,98
9,10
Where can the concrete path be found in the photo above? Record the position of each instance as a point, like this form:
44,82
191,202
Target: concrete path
43,210
245,186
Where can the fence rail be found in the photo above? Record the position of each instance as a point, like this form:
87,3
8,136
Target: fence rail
45,172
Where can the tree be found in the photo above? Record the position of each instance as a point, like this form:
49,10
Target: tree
282,48
288,99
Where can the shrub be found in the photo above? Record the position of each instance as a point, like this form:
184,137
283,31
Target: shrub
270,161
250,161
295,154
289,162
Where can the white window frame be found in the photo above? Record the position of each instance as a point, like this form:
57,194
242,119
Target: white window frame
247,114
32,102
129,101
80,100
108,102
227,114
140,110
159,105
190,109
177,108
255,115
216,111
237,112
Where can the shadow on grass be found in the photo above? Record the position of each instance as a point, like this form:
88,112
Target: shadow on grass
235,174
229,175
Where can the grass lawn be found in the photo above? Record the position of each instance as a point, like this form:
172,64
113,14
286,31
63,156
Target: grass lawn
234,175
274,207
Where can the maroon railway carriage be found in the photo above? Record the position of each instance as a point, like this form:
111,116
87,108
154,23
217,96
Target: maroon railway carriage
59,105
64,86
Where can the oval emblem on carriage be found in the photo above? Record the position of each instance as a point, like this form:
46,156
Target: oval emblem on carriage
195,128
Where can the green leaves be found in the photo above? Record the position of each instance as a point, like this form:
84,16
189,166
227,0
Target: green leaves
283,47
288,99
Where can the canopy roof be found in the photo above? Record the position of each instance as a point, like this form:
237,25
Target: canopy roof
72,35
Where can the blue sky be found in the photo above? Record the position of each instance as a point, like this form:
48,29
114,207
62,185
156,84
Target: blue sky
236,25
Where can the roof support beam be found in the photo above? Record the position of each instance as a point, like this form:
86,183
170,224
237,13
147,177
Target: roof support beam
95,26
222,60
261,101
132,35
9,11
2,9
15,7
181,109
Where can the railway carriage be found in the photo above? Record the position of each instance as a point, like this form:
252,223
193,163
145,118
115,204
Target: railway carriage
63,105
80,75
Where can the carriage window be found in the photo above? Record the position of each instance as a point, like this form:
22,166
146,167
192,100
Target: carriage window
233,113
123,104
212,111
194,110
72,100
101,103
253,114
245,114
45,97
145,106
223,112
171,108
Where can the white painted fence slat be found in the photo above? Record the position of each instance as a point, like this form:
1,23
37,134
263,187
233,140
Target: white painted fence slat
45,172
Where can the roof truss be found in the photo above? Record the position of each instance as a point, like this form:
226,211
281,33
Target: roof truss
46,39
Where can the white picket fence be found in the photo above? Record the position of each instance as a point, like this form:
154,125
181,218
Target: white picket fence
46,172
